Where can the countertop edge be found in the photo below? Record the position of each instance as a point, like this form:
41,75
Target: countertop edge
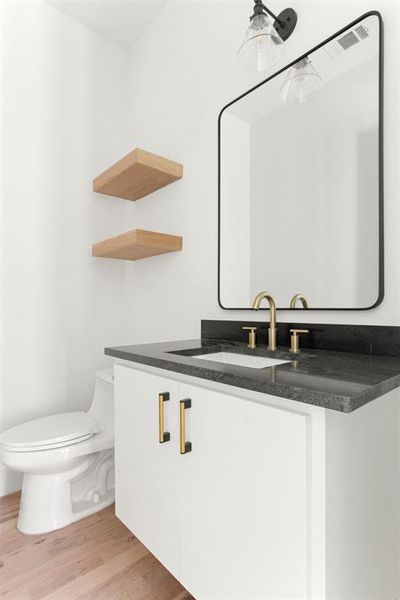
335,402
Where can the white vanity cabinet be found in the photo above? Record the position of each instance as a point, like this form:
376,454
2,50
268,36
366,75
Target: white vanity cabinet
276,499
228,518
243,500
147,472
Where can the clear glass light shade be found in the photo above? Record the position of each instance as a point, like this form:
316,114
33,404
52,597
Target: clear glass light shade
302,83
262,47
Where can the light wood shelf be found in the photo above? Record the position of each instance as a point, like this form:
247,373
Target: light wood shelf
137,244
137,174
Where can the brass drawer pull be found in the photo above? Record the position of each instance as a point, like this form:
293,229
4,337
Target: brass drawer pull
163,436
185,446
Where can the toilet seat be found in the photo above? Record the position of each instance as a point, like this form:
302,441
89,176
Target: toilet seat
50,432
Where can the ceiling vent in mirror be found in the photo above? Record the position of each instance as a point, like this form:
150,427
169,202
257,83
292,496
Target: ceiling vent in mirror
347,41
262,47
362,32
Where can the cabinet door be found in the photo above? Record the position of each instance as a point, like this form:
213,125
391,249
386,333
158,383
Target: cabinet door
147,471
243,500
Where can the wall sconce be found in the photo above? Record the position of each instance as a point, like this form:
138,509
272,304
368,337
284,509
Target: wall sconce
302,83
262,47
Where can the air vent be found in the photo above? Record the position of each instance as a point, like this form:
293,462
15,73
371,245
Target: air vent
347,41
362,32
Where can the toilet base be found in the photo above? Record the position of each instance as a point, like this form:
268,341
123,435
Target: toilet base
53,501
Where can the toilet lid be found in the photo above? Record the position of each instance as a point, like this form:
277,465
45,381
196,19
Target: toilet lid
58,430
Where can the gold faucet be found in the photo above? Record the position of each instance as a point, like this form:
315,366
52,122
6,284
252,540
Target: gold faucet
301,298
272,324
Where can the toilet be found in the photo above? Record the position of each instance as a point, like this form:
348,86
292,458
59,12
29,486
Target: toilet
67,461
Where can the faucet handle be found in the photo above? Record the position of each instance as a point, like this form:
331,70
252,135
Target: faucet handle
252,337
294,339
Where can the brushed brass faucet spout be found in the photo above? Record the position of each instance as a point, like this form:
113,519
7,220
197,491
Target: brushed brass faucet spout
272,331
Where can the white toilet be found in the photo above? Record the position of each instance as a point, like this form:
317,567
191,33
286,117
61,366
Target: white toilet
67,461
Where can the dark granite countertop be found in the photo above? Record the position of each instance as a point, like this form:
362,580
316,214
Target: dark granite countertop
336,380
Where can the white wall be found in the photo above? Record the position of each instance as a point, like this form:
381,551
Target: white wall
182,71
64,110
235,212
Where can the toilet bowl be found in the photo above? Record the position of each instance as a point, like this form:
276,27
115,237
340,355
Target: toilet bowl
67,461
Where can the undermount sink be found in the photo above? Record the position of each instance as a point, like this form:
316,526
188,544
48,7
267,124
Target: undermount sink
243,360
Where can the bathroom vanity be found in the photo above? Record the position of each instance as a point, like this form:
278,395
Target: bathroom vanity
264,475
254,481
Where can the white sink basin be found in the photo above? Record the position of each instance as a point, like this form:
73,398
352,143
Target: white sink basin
243,360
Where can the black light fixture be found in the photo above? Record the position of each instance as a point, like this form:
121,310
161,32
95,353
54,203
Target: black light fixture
262,45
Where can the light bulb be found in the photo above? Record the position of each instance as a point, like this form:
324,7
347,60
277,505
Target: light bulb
302,83
262,46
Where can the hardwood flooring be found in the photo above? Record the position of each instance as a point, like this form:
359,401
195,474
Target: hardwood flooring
95,559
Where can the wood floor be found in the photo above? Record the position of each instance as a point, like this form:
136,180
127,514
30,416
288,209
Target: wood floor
95,559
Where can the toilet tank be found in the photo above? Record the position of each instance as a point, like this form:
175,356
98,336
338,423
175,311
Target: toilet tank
102,407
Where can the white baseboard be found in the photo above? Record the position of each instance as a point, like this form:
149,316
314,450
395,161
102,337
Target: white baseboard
10,481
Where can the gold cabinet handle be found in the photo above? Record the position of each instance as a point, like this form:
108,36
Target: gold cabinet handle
184,446
163,436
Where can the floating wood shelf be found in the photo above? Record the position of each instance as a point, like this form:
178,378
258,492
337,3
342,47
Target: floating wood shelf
137,244
136,175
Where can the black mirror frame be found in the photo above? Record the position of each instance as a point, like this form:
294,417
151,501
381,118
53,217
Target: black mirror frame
381,260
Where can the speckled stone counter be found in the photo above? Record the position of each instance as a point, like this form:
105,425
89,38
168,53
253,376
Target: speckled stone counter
339,381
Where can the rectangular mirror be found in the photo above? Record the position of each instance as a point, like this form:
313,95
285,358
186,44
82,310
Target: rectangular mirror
300,179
